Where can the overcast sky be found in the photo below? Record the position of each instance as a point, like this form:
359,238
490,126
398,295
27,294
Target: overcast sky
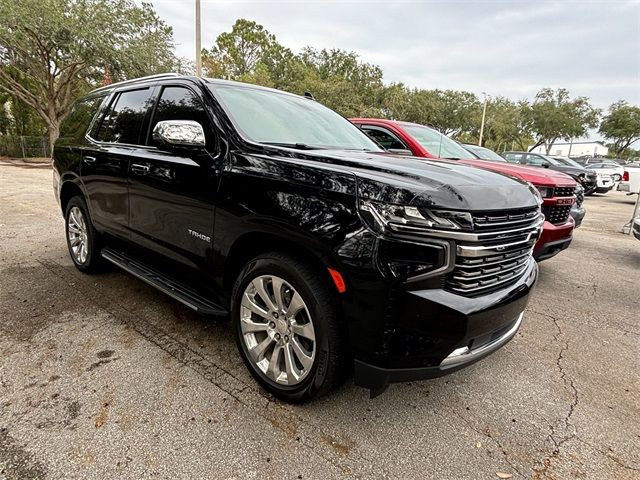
510,48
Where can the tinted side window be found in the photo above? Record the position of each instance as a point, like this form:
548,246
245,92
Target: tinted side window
179,103
384,138
534,160
77,122
513,157
124,118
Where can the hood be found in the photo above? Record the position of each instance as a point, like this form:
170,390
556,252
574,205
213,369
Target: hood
573,171
537,176
420,182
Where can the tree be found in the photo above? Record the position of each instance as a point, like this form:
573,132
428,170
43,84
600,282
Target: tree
505,124
554,115
621,125
238,52
52,51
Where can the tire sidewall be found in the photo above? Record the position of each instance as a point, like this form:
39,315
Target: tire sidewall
314,381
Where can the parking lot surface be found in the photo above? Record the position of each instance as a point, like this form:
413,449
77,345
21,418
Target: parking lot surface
104,377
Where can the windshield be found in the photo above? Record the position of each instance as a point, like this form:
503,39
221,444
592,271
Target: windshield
436,143
570,162
270,117
484,153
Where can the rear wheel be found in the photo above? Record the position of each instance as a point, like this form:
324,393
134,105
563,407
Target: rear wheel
83,240
287,327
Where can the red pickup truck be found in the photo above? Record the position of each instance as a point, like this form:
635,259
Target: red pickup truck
557,189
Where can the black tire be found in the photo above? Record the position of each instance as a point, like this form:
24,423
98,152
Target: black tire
617,177
93,260
328,368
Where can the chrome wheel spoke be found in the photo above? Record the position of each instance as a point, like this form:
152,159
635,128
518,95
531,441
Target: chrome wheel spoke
305,358
293,376
249,303
295,305
249,326
277,284
258,283
73,228
258,351
273,371
305,330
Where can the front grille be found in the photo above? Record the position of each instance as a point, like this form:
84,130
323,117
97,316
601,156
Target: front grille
498,255
564,191
579,195
557,214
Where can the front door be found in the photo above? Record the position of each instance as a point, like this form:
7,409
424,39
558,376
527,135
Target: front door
171,197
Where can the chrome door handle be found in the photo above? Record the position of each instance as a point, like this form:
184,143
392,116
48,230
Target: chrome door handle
89,159
139,169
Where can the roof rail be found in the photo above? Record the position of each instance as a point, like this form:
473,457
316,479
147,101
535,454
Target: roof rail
139,79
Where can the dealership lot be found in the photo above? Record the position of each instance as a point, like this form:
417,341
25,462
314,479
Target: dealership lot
104,377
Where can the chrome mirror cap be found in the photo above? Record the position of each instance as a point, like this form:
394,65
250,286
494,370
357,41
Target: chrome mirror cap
182,133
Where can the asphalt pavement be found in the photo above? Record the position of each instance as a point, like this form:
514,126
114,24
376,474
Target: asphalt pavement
103,377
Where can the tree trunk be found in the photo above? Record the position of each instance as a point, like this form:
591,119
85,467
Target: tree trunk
53,129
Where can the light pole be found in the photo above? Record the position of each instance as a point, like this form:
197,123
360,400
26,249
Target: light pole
484,115
198,42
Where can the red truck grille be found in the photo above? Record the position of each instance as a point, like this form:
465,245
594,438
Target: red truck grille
557,214
564,191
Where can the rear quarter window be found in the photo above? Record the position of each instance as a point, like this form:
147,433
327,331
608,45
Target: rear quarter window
77,123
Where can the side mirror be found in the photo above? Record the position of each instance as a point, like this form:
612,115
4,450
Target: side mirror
545,164
179,135
400,151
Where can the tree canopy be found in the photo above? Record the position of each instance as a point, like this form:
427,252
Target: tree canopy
51,51
621,125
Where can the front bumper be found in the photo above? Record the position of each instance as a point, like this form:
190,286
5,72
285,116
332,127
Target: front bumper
578,213
437,332
553,240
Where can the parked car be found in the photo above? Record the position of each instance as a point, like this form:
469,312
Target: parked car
556,189
587,178
604,181
623,186
636,227
588,161
614,171
323,250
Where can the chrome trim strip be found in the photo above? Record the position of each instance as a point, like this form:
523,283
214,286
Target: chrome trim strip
471,237
467,251
462,289
463,355
465,278
487,264
445,268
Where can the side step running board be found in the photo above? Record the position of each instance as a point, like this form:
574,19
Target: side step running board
175,289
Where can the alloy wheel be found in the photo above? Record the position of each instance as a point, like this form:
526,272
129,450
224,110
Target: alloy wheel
77,233
277,330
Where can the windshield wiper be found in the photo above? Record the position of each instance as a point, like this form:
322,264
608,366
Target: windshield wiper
452,158
299,146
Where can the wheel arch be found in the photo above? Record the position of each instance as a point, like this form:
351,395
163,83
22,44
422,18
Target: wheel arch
68,190
252,244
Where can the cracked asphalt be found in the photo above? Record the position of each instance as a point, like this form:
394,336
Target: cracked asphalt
104,377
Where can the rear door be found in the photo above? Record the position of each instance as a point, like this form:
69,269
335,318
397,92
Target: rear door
171,196
114,140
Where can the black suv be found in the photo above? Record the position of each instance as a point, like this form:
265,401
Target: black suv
327,254
587,178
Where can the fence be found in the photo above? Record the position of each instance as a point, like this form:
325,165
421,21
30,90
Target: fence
24,147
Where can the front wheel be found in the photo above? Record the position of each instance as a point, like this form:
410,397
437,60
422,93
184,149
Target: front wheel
287,327
617,177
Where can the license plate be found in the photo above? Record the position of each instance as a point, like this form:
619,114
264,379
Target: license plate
566,201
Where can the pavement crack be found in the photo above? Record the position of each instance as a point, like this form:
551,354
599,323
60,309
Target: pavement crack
570,430
487,433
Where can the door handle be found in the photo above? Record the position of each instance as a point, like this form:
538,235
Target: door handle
89,159
139,169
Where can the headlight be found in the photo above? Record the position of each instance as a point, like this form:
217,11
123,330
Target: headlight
411,220
545,192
